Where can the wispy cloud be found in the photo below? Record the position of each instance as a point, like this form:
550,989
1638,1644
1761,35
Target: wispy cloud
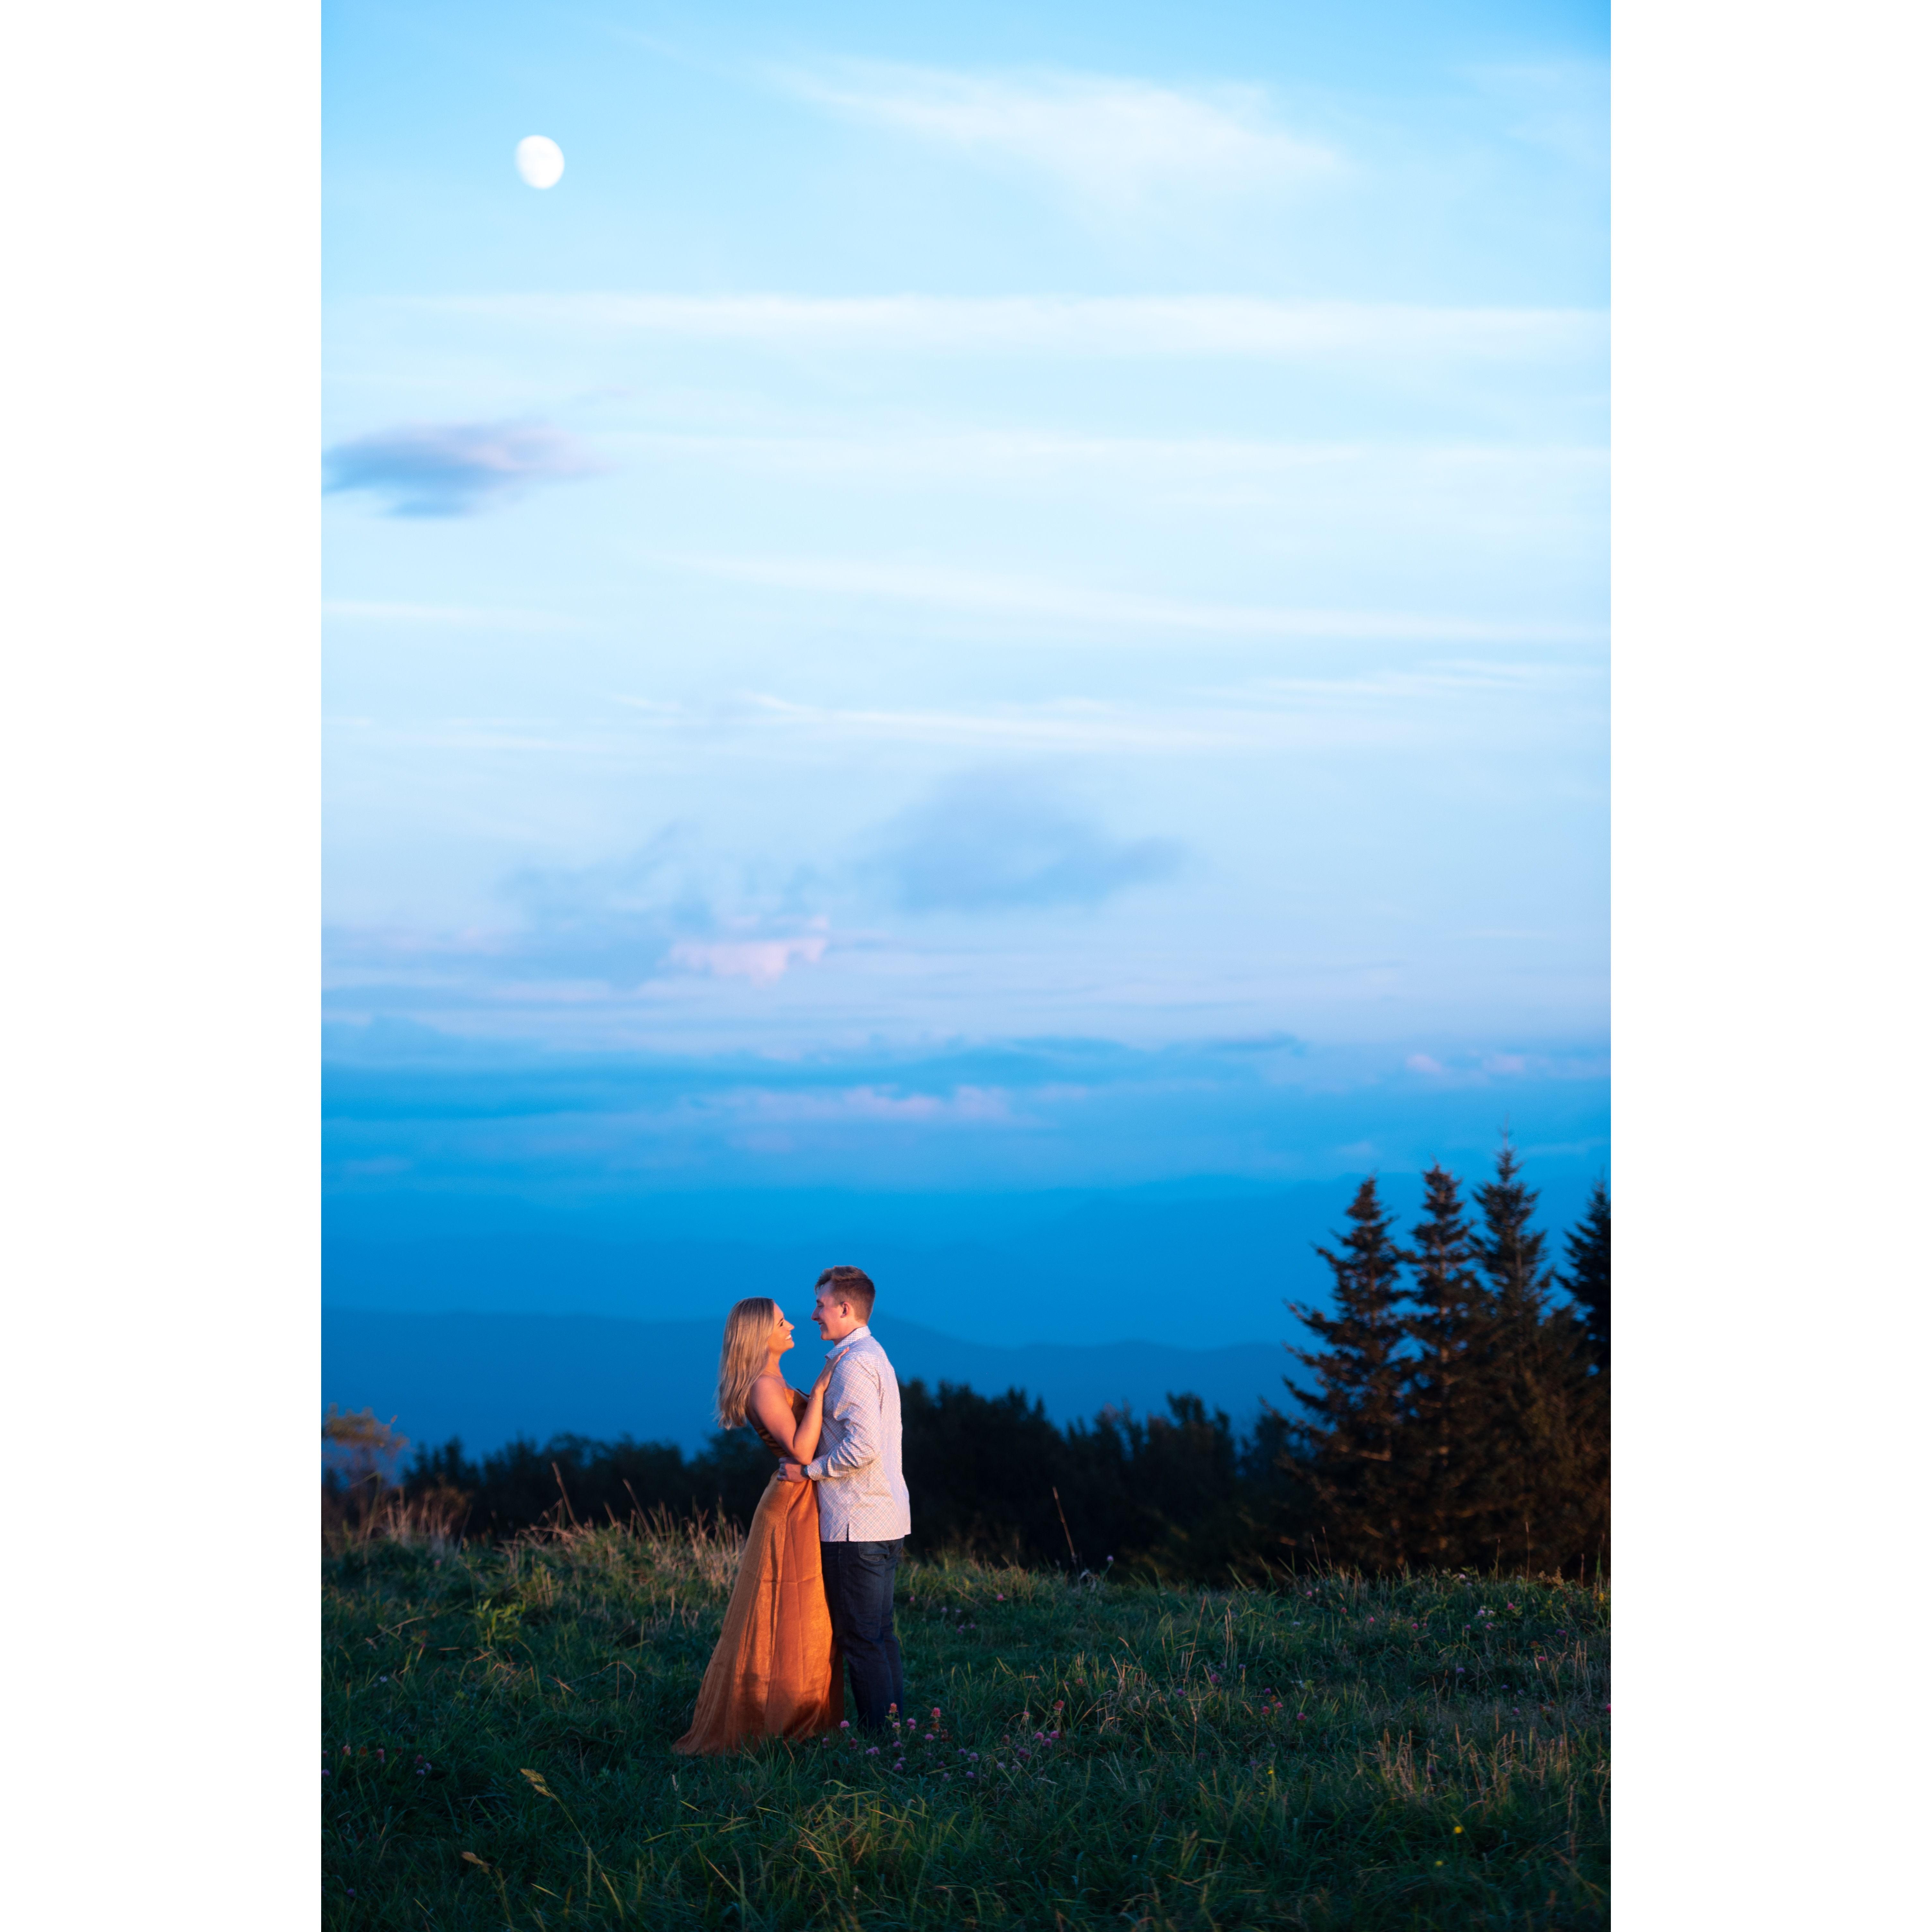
455,469
636,923
1112,145
1064,1111
1434,701
1034,599
1242,326
446,617
1181,465
649,914
1562,106
762,961
1428,701
1435,683
991,841
1057,724
972,1106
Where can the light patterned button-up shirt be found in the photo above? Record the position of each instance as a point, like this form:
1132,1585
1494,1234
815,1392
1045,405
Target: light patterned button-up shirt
862,1494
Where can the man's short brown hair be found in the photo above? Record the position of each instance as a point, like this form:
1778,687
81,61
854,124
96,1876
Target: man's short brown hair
853,1286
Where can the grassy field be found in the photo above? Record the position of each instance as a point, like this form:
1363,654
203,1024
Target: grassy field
1431,1752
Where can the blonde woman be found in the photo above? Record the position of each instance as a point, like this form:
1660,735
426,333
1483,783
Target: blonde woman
774,1673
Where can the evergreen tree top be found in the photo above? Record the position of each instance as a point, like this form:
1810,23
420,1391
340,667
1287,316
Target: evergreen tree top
1587,1276
1353,1370
1509,1250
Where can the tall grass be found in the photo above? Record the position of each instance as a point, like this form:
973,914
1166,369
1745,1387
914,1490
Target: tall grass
1423,1752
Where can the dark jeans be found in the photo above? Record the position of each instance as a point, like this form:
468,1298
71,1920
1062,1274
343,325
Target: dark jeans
858,1579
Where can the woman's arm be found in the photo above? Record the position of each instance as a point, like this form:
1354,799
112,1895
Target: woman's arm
770,1401
804,1440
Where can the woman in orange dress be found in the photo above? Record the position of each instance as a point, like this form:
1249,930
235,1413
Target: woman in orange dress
774,1673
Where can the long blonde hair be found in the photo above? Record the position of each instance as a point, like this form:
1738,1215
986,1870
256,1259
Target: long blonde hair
747,1347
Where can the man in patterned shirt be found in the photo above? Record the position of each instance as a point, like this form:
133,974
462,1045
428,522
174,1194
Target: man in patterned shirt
864,1513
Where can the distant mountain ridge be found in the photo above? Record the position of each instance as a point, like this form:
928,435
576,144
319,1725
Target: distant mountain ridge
1203,1270
490,1376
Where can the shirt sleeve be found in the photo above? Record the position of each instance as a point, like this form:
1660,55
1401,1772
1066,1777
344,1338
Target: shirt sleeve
858,1405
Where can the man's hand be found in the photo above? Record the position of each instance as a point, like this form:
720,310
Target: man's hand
789,1471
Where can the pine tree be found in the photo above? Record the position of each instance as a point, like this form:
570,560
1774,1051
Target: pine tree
1545,1440
1511,1251
1346,1450
1588,1277
1446,1457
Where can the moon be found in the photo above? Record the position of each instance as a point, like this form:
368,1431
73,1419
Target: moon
539,161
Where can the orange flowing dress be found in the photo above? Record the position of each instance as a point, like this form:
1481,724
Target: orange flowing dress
776,1672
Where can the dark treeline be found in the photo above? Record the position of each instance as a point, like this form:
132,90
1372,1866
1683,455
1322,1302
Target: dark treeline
1454,1412
1459,1411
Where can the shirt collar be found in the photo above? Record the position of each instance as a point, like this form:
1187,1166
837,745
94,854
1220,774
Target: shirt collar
860,1333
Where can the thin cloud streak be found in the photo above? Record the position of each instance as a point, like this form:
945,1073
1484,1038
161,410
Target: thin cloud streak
746,732
1002,449
1035,599
1428,704
1563,107
1174,466
1238,326
446,617
1280,715
1112,145
969,1106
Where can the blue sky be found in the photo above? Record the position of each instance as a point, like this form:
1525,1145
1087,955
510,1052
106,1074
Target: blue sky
1003,598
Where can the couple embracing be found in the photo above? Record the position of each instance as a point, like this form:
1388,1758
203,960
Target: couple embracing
813,1596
